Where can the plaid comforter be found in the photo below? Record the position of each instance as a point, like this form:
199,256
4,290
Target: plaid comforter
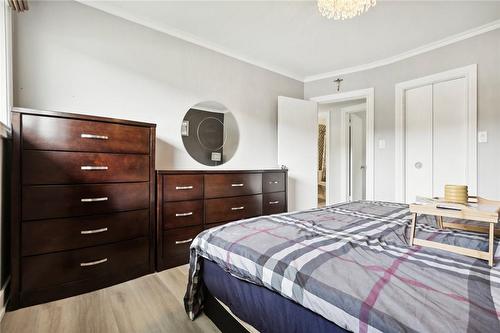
351,263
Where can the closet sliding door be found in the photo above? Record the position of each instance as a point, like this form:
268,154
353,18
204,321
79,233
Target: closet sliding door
436,138
418,142
450,155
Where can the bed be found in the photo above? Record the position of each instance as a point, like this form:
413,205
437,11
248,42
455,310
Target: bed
345,267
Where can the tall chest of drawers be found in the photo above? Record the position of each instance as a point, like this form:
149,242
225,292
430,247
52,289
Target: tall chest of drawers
191,201
82,204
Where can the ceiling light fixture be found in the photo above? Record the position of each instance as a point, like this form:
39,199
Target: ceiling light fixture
344,9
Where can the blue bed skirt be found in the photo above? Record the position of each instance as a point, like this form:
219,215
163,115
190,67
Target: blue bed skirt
264,309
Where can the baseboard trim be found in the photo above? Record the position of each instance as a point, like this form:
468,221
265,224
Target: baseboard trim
4,298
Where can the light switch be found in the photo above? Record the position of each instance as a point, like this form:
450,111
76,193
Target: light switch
482,137
381,144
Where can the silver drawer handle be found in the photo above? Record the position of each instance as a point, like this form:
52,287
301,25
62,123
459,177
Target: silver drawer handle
183,241
274,202
184,214
94,199
184,187
93,263
238,185
274,182
95,231
238,208
94,136
92,167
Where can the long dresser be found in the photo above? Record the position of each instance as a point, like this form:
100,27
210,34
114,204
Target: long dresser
191,201
82,204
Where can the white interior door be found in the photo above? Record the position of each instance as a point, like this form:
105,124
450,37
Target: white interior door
358,155
418,162
450,134
297,150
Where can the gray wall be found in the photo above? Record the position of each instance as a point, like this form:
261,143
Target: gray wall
74,58
483,50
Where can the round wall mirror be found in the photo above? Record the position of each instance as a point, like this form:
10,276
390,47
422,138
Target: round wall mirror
210,133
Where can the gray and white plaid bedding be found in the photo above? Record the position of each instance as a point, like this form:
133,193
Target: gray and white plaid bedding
352,264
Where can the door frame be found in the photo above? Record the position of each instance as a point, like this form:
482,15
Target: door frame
369,95
470,74
344,146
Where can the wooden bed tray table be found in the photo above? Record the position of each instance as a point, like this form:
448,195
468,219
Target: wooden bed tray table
482,210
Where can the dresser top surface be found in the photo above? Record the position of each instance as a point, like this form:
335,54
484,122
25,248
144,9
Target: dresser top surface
68,115
216,171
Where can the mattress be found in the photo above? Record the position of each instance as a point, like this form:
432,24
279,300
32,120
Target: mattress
264,309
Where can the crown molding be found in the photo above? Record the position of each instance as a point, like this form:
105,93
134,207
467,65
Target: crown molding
408,54
107,7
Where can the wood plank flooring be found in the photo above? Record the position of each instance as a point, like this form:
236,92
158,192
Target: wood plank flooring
152,303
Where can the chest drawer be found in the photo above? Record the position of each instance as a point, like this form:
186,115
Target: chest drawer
176,244
45,202
182,214
232,209
50,133
273,182
53,269
182,187
273,203
228,185
55,167
46,236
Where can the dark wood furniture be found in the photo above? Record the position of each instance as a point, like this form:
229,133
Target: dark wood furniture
82,204
191,201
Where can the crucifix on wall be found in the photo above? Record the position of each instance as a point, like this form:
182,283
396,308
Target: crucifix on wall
338,81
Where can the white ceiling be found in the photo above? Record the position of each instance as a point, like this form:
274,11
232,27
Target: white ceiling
292,38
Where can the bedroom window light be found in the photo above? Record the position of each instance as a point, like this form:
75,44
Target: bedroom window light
5,69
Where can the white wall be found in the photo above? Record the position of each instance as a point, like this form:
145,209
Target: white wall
483,50
70,57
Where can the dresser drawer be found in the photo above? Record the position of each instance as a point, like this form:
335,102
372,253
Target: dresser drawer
46,236
232,209
52,201
55,167
176,244
182,187
273,182
50,133
54,269
273,203
182,214
228,185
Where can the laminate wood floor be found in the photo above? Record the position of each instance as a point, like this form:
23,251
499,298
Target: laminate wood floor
152,303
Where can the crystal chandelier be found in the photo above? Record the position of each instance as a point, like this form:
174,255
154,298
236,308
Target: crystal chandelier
344,9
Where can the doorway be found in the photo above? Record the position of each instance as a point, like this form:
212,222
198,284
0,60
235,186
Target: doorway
323,124
297,146
342,151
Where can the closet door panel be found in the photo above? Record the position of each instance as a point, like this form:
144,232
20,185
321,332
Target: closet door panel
418,142
450,134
